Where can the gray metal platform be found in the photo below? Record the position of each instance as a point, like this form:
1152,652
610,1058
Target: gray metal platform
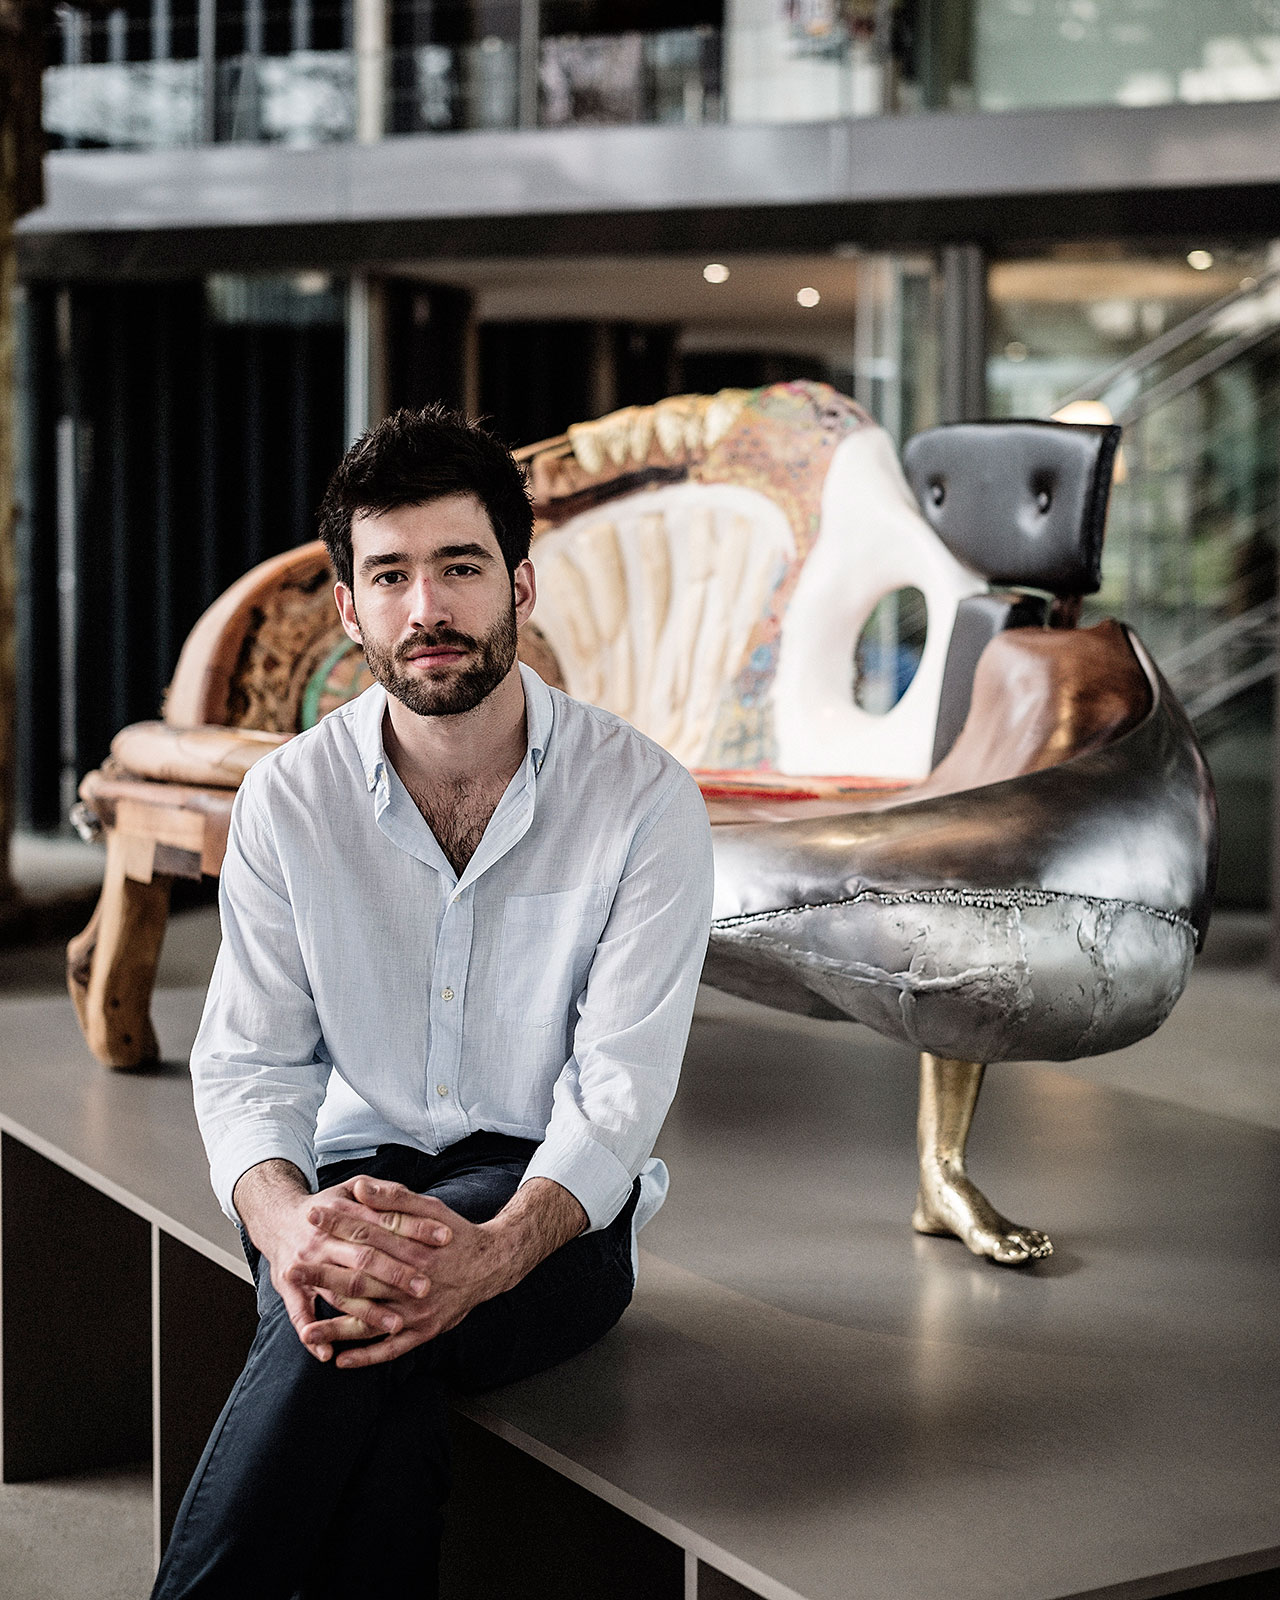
805,1400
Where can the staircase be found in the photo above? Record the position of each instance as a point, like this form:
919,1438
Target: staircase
1191,547
1191,552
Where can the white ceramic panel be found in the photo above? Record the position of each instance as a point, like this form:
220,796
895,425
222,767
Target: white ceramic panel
872,540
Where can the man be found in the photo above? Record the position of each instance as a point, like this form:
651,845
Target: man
463,920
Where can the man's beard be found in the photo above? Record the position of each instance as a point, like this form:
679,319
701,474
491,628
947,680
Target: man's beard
460,691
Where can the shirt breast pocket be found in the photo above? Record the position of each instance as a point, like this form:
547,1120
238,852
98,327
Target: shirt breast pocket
545,952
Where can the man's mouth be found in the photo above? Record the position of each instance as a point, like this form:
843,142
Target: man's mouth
430,655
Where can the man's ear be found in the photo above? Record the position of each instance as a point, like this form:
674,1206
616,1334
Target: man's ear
524,591
346,604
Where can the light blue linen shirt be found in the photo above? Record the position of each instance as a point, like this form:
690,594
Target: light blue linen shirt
365,994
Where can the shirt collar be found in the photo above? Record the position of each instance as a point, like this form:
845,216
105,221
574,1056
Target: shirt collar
368,710
539,711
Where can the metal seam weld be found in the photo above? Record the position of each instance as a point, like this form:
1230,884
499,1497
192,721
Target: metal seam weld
979,899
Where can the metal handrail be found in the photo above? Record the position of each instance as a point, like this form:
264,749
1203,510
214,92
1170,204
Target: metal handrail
1195,372
1221,693
1166,343
1259,626
1256,618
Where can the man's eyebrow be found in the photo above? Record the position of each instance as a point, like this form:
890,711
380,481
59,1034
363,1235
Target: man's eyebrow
447,552
452,552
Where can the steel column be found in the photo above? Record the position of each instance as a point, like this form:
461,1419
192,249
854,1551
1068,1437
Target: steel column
963,356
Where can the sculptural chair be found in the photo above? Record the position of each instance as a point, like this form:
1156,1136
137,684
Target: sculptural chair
1013,862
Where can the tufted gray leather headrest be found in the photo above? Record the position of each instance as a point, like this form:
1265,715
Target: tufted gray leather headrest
1023,503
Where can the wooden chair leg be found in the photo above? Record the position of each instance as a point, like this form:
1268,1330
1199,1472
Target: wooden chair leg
111,966
79,961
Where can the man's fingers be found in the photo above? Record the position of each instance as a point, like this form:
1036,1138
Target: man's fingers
373,1355
374,1317
359,1271
300,1307
334,1330
407,1204
396,1231
333,1280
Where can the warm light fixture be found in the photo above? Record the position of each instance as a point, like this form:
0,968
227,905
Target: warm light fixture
715,272
1201,260
1015,350
808,297
1093,412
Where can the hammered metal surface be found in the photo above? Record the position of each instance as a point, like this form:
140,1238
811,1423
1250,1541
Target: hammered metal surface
1046,917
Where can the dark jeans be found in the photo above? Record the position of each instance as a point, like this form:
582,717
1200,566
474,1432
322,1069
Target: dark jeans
323,1483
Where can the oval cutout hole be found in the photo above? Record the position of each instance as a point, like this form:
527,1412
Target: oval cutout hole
887,655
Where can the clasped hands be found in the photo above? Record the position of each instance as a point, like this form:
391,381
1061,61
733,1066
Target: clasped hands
400,1268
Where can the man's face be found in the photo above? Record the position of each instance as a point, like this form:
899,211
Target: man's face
432,604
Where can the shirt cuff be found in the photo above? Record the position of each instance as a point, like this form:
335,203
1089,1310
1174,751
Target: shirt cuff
594,1176
228,1166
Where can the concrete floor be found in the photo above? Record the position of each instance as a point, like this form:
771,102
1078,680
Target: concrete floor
71,1538
1218,1054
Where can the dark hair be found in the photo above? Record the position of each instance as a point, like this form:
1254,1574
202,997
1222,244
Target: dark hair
413,457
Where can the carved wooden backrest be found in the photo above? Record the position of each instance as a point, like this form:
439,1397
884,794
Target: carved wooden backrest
706,565
269,653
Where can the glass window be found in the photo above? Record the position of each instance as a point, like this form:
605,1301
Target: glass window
1125,52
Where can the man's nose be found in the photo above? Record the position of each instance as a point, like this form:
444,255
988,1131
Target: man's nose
428,604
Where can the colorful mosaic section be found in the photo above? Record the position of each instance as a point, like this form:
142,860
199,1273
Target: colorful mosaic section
781,445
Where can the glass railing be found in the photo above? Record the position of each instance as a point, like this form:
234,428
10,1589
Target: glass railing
290,72
310,96
582,81
305,98
129,104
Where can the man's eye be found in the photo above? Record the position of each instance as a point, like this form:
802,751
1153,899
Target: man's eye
385,578
460,569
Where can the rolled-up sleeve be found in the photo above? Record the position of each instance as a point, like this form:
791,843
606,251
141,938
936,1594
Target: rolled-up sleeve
634,1015
256,1064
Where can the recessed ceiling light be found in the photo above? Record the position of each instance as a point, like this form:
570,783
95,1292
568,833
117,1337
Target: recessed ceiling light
1248,283
715,272
808,297
1201,260
1015,350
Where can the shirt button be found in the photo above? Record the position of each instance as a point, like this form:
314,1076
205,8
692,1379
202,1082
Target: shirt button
442,1089
446,994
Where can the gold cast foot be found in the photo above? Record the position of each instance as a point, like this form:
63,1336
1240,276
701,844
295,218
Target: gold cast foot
948,1202
954,1206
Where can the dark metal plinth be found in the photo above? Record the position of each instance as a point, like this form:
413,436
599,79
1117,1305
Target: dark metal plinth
806,1401
75,1368
204,1325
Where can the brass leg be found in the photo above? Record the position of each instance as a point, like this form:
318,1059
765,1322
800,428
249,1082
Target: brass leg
948,1202
111,966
